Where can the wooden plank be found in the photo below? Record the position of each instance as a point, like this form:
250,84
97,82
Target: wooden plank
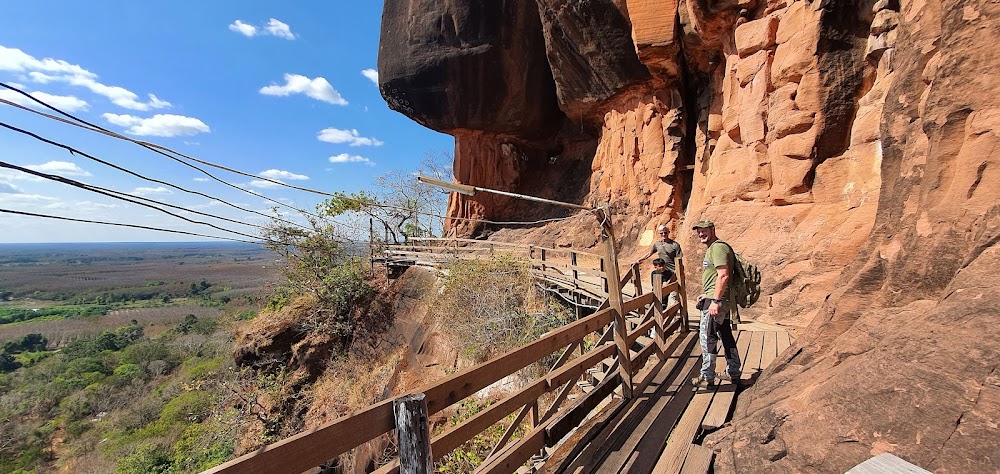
784,341
444,393
309,449
672,459
698,460
513,456
769,351
752,365
444,443
642,330
636,303
585,270
723,401
637,450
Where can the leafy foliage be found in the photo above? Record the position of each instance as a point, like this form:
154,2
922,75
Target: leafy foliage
402,207
491,306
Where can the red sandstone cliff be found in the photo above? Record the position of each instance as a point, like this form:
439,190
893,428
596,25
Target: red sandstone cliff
848,146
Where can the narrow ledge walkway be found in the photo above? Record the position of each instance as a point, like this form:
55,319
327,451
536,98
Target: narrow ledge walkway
656,431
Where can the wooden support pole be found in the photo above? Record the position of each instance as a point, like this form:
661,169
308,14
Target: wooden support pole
615,301
637,280
414,434
543,259
604,274
682,293
572,261
658,306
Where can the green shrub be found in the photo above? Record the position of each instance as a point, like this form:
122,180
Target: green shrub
492,306
146,459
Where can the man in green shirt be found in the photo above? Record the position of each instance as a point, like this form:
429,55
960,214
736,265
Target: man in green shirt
714,304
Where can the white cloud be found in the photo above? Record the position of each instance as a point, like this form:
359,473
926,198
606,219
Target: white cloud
67,103
259,183
8,188
371,74
273,27
83,207
351,137
61,168
318,89
157,191
24,198
281,174
48,70
201,180
159,125
345,158
279,29
243,28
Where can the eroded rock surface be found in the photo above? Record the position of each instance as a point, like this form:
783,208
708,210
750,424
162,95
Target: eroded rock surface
849,147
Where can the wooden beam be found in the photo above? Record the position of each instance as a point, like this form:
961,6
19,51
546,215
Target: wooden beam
636,303
309,449
508,460
444,393
698,461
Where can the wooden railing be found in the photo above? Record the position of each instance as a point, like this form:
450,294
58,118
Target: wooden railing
547,424
567,266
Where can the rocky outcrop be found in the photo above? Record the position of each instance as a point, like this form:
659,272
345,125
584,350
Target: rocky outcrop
468,65
846,146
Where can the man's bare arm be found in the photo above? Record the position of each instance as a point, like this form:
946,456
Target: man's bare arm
722,282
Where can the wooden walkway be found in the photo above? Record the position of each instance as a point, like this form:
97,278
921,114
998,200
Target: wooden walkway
656,431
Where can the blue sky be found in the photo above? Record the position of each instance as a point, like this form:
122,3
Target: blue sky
283,89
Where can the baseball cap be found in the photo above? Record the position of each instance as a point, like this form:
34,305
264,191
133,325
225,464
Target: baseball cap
703,225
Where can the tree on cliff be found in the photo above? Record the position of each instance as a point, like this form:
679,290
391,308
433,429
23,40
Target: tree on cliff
401,207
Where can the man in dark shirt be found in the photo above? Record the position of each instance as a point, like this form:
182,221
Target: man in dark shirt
667,248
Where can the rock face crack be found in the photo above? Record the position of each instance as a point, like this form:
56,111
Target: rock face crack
958,422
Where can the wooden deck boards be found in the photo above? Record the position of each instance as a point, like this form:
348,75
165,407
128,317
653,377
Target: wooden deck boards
724,396
655,431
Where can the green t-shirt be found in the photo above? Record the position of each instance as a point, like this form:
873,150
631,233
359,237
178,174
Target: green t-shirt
718,254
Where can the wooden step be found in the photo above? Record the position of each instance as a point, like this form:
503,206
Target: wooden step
597,375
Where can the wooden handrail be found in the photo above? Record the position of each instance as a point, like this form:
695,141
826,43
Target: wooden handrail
308,449
505,244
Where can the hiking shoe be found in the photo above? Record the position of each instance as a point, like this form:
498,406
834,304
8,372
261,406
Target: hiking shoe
734,379
701,383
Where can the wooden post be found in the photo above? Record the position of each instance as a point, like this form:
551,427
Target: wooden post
659,304
572,261
543,258
637,280
605,277
413,434
615,301
681,293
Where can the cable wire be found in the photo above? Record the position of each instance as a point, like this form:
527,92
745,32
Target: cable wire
85,186
162,150
75,152
135,226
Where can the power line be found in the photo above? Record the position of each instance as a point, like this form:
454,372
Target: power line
85,186
135,226
74,151
162,150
